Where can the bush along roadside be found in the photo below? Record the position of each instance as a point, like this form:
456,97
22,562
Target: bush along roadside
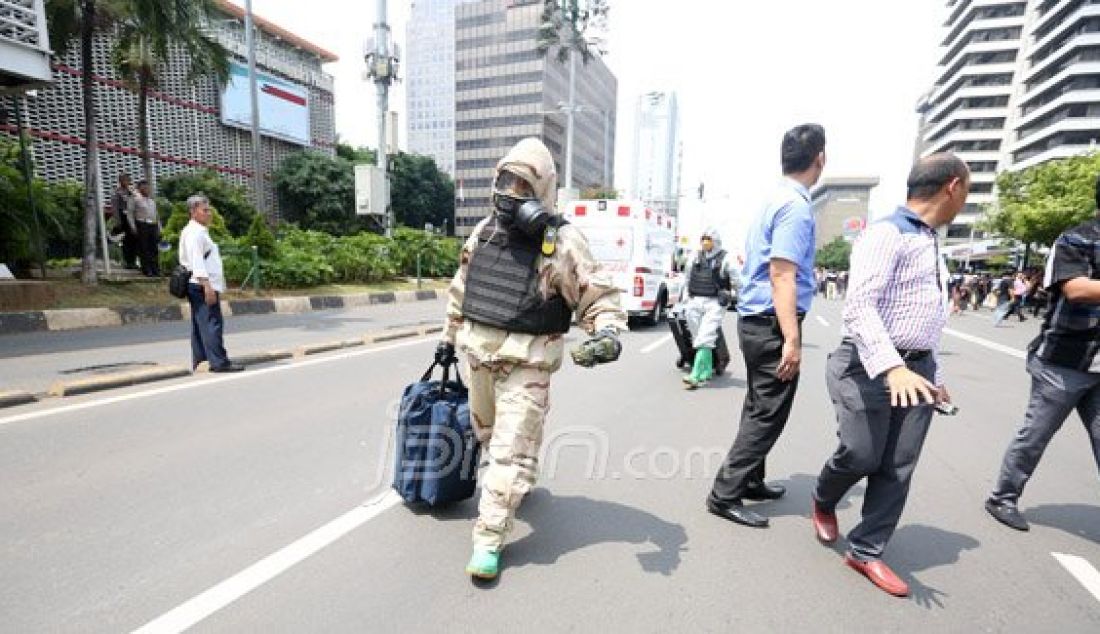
295,258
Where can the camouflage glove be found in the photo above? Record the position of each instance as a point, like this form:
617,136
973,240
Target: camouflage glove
603,347
445,353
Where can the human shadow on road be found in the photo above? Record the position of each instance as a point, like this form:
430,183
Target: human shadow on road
725,380
918,547
563,524
798,499
1081,520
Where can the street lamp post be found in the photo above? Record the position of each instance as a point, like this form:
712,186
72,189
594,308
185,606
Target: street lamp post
381,61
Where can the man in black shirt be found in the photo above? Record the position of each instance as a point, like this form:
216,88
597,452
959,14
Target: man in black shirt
1063,363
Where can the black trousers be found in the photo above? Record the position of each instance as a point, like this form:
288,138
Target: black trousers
148,236
767,406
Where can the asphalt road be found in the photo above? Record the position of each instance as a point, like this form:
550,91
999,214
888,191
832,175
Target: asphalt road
148,504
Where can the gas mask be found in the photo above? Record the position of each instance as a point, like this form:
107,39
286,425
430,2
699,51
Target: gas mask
517,206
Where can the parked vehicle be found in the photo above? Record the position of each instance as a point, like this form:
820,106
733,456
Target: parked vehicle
636,246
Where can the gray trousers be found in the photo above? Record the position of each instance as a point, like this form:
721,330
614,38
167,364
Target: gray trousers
1055,392
877,442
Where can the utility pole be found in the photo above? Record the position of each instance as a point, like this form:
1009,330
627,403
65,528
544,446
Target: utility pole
382,61
254,96
569,114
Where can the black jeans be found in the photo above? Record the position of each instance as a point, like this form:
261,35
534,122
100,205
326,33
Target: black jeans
148,236
764,414
206,330
877,442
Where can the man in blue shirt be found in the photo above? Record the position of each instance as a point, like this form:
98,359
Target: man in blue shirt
777,287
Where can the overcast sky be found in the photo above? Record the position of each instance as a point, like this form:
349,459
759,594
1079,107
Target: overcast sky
745,72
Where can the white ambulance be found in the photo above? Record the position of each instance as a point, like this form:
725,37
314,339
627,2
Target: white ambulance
636,246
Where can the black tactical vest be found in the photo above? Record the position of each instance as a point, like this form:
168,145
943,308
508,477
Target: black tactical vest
502,285
707,279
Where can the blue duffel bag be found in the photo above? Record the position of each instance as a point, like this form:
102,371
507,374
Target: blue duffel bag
437,451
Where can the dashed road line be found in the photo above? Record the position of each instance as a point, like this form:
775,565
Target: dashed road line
217,597
1082,571
656,344
992,345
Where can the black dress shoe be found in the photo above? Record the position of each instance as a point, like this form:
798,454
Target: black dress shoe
737,513
763,491
1006,514
232,367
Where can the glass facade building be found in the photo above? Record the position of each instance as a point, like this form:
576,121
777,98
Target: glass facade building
506,89
655,177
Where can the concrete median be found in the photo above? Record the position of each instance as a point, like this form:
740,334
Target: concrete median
11,398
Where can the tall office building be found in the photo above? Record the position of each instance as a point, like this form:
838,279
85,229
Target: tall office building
430,80
1018,84
506,89
656,171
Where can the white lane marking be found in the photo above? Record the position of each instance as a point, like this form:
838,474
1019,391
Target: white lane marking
1081,570
992,345
822,320
247,374
210,601
656,344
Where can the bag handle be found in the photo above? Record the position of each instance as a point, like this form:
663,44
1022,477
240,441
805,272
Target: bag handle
446,375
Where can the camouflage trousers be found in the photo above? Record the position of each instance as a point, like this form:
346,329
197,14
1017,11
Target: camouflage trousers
508,405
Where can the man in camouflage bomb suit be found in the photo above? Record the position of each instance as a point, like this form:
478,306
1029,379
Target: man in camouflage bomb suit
523,273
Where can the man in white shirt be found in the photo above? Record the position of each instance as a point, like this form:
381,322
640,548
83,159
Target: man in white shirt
200,255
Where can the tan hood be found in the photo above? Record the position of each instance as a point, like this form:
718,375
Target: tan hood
530,160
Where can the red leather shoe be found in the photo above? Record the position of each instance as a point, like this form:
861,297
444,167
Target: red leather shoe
824,525
879,574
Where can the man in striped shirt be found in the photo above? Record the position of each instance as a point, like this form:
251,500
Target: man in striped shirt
885,376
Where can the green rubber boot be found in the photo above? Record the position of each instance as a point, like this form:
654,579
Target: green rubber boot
706,370
702,370
484,564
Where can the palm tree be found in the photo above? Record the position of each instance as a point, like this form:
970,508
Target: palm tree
68,20
572,28
150,31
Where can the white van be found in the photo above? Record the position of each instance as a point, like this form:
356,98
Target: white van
636,246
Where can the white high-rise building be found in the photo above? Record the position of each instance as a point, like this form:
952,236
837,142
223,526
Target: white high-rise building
656,170
1018,84
430,80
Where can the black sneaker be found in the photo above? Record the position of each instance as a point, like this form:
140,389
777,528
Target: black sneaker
1006,514
232,367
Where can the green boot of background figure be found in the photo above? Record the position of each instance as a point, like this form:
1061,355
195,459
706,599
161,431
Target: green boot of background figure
706,372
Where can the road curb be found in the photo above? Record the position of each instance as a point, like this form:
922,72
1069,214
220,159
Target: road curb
118,379
134,377
81,318
11,398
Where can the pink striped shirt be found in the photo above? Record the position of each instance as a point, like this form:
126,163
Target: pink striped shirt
895,296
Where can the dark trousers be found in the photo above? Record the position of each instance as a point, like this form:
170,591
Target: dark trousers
877,442
1055,392
129,249
206,330
764,414
148,235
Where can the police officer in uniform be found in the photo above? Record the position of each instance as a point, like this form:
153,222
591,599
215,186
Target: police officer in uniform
709,293
523,274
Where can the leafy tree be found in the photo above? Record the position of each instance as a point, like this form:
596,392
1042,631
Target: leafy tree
230,199
149,32
597,193
317,191
356,156
260,236
1036,204
835,255
420,193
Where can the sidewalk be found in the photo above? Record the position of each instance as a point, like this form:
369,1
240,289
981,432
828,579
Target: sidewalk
36,362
